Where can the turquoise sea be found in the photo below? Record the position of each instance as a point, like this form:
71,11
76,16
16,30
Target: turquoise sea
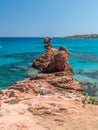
17,55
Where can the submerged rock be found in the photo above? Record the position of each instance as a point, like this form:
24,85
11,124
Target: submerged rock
31,72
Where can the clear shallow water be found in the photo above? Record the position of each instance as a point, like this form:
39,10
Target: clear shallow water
17,55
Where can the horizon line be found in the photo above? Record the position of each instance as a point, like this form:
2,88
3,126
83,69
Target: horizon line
31,37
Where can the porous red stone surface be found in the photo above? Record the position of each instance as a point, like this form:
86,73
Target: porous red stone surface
53,61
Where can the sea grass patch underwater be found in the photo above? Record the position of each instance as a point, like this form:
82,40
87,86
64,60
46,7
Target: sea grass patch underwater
90,88
14,72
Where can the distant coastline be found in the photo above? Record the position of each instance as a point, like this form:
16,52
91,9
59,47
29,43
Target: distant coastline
83,36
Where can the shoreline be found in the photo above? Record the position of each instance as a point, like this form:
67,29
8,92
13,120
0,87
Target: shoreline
51,100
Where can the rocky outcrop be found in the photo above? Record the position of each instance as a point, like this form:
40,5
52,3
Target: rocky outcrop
60,80
43,85
53,61
47,101
57,75
56,62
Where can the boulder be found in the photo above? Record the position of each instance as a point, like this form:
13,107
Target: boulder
53,61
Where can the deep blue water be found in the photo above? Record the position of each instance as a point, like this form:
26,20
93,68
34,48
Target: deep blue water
17,55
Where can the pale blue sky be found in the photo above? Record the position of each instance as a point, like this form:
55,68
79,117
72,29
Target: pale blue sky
19,18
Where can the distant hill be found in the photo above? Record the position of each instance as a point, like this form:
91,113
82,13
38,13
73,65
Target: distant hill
83,36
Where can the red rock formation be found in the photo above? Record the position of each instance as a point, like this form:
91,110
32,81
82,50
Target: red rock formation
53,61
59,80
43,84
58,76
43,102
43,62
